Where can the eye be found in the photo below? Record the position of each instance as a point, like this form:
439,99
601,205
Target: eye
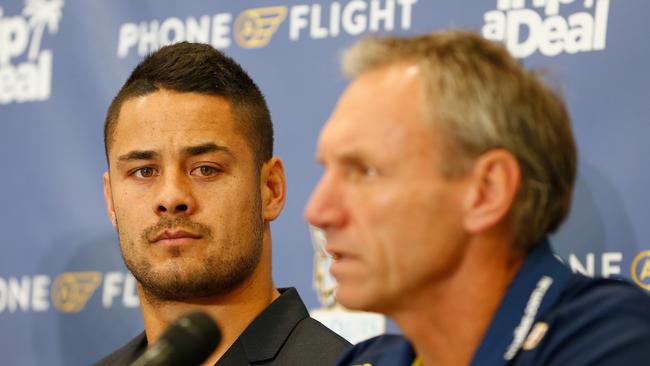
144,172
205,171
369,171
357,172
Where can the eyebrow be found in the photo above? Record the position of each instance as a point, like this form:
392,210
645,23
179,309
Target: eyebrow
189,151
205,149
138,155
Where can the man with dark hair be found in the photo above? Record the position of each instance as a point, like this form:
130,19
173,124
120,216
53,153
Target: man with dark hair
446,165
191,189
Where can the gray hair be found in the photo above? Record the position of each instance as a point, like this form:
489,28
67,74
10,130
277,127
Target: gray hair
480,98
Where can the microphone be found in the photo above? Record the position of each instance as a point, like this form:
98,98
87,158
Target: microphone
189,340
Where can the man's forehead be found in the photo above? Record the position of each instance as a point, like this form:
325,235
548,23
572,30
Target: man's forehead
373,107
381,87
393,75
175,110
167,120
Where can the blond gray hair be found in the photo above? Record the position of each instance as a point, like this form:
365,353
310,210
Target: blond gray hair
480,98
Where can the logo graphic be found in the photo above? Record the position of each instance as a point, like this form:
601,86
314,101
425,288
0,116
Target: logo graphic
72,290
324,283
355,326
69,292
534,301
641,270
525,30
535,336
30,80
255,27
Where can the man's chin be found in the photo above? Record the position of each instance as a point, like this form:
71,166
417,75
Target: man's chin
176,283
352,299
360,299
178,289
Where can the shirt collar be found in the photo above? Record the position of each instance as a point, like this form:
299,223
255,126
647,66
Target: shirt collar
536,287
264,337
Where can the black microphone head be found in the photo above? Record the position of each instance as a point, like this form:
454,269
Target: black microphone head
194,337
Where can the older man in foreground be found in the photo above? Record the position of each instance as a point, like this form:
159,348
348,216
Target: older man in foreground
446,165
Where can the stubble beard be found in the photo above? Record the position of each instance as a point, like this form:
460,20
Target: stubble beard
223,270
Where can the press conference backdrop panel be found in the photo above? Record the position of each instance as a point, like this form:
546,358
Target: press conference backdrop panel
65,296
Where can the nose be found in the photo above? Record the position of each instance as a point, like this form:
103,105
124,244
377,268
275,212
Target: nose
174,196
326,206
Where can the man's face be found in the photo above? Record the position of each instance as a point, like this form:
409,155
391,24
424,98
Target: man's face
184,195
392,220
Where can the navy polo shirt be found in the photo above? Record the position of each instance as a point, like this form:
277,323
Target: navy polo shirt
549,316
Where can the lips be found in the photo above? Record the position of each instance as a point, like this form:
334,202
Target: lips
338,255
344,265
175,237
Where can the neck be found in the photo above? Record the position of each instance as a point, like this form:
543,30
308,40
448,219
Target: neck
233,311
446,322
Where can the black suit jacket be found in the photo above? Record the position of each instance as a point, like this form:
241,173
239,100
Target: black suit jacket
283,334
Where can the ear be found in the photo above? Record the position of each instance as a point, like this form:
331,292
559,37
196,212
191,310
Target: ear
108,197
273,188
496,177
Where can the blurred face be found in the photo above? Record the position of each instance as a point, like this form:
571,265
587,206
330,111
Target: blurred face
183,192
392,220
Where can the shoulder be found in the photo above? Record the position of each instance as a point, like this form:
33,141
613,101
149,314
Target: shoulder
595,321
127,353
285,334
310,328
312,343
598,303
380,350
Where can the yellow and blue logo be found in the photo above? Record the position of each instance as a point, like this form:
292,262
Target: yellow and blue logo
72,290
255,27
641,270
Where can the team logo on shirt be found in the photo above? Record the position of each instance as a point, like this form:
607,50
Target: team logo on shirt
522,330
641,270
535,336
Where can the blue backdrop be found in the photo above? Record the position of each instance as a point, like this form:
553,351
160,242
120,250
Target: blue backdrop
65,296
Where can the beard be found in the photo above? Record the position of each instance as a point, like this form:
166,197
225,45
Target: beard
230,262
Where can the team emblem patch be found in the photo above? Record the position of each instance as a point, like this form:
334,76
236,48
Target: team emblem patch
535,336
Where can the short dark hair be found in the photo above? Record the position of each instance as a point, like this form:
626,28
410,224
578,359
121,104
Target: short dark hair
199,68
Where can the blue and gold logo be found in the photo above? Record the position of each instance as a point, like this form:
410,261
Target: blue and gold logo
72,290
255,27
641,270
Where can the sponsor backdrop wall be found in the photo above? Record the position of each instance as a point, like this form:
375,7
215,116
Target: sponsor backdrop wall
65,296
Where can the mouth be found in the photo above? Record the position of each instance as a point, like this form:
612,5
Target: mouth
344,264
338,255
175,237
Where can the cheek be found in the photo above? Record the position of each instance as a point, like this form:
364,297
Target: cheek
377,218
126,197
130,211
238,195
432,239
407,232
234,204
